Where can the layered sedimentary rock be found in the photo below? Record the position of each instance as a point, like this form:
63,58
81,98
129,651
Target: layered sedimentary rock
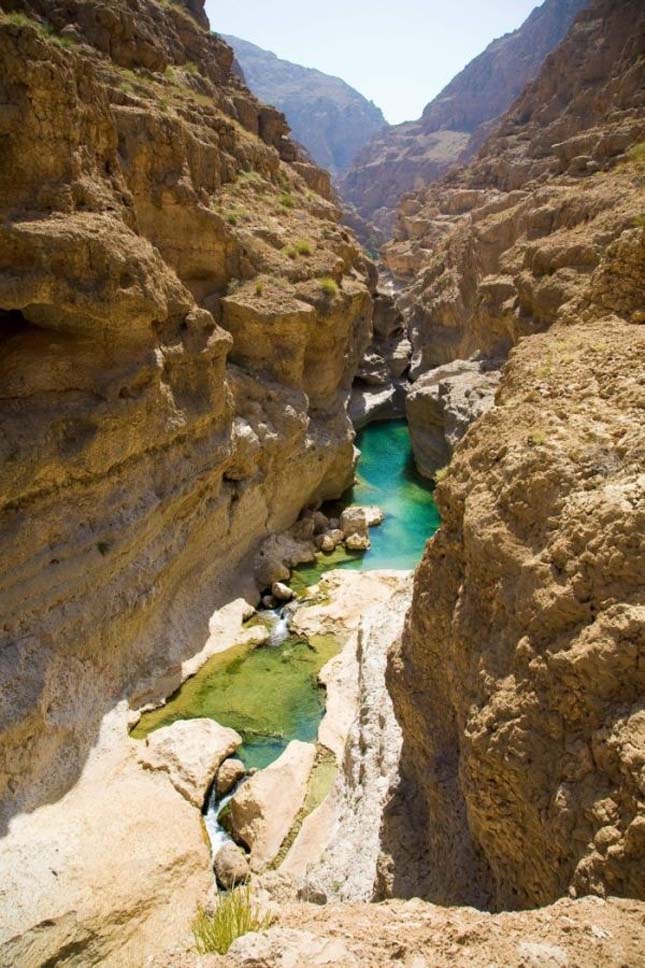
331,119
158,227
405,157
519,682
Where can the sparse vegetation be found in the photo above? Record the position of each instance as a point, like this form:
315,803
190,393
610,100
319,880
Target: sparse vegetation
441,473
251,178
232,218
286,200
639,221
259,288
537,438
303,247
233,286
291,252
235,914
637,153
22,20
329,286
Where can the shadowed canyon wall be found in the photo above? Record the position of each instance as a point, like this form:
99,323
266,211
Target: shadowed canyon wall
519,682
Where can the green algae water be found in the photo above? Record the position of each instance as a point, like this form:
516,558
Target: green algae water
386,476
270,695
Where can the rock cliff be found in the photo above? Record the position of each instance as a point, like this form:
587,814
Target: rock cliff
405,157
331,119
181,316
519,682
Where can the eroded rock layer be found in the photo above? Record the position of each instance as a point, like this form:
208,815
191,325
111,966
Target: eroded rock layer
519,683
181,317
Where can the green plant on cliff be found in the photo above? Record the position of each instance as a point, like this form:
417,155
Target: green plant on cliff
637,153
286,200
235,914
329,286
303,247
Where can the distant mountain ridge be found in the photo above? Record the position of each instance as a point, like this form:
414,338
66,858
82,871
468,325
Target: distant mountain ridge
331,119
407,156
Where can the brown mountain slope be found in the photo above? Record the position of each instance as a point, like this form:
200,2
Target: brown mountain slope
407,156
519,683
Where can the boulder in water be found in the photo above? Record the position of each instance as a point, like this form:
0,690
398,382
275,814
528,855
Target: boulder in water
230,772
190,751
263,810
326,543
281,592
353,520
357,542
231,866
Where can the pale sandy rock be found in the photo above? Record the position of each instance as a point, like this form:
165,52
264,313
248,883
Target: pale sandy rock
230,772
281,592
349,865
231,866
357,542
288,948
122,847
353,520
326,543
190,751
373,514
263,810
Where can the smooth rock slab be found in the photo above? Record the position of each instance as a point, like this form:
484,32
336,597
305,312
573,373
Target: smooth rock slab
263,810
190,751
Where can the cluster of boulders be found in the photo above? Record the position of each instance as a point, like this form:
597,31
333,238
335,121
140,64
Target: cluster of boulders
314,532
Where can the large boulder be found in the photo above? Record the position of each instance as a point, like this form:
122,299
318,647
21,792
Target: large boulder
190,751
264,809
230,772
231,866
443,404
353,520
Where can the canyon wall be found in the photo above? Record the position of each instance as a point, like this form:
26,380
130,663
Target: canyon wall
405,157
331,119
519,682
181,317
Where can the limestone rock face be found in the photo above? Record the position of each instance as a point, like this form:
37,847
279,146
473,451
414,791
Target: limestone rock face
441,406
263,810
326,115
405,157
190,751
148,201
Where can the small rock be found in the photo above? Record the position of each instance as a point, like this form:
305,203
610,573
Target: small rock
326,543
303,530
230,772
374,515
281,592
321,522
540,955
268,601
334,524
269,570
353,520
357,542
337,535
231,866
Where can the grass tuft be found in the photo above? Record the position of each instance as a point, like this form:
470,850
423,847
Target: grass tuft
303,247
329,286
286,200
637,153
235,914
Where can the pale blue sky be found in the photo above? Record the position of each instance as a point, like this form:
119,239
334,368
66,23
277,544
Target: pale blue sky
399,53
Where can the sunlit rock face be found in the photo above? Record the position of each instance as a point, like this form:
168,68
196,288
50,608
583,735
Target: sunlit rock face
158,229
519,682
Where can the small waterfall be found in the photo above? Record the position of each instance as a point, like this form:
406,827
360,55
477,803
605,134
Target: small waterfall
278,623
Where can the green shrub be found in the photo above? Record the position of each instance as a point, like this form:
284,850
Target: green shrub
232,218
440,474
329,286
259,288
637,153
303,248
235,914
291,251
251,178
286,200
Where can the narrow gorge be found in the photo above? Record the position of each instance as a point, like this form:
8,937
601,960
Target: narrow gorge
322,500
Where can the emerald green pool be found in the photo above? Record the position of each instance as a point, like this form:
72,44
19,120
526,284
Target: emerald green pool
271,695
387,476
